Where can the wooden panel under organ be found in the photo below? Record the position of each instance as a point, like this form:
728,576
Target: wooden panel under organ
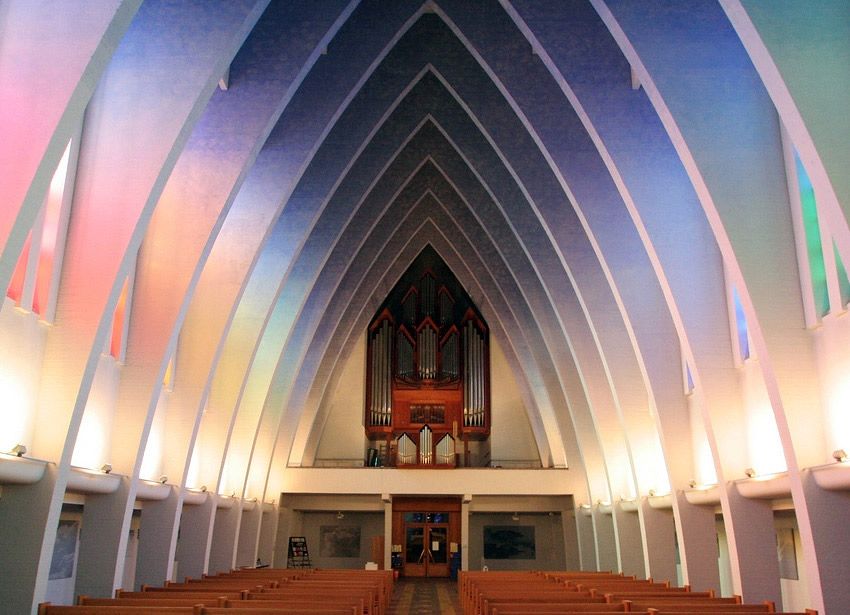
428,371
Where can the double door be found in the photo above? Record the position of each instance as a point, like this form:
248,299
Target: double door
426,549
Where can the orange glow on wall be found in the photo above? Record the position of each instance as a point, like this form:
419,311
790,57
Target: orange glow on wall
16,285
118,323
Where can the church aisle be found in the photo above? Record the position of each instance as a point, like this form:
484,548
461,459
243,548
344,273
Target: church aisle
425,597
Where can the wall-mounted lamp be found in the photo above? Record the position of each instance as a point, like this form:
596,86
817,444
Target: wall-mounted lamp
19,451
751,473
106,468
339,515
839,455
163,479
515,517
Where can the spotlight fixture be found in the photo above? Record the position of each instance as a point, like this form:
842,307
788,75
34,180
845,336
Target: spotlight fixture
106,468
652,493
203,488
839,455
19,450
692,483
515,517
751,473
163,479
339,515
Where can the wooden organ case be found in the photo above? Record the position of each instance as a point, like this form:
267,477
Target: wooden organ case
428,371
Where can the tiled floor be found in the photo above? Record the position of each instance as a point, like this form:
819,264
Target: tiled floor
425,597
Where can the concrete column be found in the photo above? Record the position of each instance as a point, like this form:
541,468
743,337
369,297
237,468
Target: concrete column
103,541
159,523
571,543
659,538
284,531
223,546
388,530
249,530
697,536
586,540
29,516
193,545
827,516
606,543
268,532
757,563
464,532
629,543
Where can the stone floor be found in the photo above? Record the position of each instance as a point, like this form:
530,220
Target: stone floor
425,597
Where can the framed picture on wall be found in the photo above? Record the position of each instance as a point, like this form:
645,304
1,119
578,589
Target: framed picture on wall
786,551
339,541
64,550
509,542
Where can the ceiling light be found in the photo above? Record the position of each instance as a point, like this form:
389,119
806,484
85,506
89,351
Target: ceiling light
751,473
652,493
692,483
339,515
163,479
839,455
515,517
106,468
19,450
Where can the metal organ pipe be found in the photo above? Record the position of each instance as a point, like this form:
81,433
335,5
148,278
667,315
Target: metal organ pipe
425,444
474,394
381,397
388,394
466,378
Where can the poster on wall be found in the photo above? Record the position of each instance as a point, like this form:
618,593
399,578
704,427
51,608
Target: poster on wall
339,541
787,554
509,542
64,550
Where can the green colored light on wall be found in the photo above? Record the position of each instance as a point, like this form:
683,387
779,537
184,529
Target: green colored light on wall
813,242
843,281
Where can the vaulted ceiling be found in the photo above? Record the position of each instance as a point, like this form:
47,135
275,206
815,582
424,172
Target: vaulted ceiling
596,173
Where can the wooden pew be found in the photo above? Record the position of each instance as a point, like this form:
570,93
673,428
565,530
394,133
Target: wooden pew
564,609
45,608
157,602
680,606
199,595
261,610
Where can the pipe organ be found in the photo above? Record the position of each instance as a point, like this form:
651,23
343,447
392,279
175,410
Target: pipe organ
428,375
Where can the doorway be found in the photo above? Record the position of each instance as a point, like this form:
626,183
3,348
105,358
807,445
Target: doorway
426,533
426,545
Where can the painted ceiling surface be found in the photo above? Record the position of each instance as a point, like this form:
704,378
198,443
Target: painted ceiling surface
595,173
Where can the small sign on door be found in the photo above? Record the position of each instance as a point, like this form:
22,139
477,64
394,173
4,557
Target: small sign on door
435,546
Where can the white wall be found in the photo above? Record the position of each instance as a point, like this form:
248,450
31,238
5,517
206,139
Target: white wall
22,340
511,437
344,436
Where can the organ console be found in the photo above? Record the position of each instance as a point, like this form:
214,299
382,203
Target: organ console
428,370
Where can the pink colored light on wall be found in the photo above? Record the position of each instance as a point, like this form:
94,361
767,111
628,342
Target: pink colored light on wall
16,285
118,323
49,235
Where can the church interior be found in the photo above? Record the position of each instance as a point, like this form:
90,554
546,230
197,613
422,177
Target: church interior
425,285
